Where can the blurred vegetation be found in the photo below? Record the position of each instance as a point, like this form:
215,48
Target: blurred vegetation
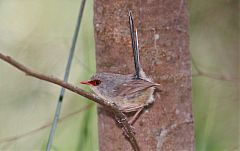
214,45
38,33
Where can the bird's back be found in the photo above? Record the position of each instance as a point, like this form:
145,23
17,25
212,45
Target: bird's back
126,91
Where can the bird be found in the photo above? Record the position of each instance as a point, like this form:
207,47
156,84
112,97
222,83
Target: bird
132,92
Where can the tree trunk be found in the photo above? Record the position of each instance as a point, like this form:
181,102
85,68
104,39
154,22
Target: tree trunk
164,54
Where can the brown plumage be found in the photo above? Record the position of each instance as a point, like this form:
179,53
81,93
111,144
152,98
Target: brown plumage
128,93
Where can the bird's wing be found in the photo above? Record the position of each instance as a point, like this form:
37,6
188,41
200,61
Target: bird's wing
134,86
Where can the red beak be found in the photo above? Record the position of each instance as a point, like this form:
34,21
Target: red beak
86,82
91,82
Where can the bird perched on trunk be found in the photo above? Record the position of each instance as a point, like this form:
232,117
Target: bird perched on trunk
130,92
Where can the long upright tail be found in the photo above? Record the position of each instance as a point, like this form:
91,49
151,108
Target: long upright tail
135,48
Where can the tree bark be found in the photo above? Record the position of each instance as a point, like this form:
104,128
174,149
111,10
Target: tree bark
162,26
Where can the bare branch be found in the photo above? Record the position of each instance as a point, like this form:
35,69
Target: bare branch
108,105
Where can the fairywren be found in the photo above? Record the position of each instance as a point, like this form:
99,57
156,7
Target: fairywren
130,92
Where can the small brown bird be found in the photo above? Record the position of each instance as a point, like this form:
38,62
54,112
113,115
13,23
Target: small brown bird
130,92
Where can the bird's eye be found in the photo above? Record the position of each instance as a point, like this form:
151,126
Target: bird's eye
97,82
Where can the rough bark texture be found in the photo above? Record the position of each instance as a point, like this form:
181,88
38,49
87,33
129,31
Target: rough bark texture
164,54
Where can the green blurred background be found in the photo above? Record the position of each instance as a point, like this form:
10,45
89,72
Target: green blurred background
38,33
214,45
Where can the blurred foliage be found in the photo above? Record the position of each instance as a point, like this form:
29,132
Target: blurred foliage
38,33
214,37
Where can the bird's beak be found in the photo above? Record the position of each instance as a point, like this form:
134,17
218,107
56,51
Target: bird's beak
89,82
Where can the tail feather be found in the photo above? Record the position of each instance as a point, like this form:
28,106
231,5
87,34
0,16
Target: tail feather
134,37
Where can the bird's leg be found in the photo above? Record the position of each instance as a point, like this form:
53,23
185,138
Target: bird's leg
136,115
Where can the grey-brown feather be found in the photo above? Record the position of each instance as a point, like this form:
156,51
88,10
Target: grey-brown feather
126,91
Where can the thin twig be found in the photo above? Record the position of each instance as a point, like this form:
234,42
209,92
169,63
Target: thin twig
66,75
13,138
200,72
108,105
